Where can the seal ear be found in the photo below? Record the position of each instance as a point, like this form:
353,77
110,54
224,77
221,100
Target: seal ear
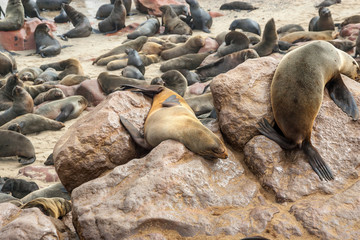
342,97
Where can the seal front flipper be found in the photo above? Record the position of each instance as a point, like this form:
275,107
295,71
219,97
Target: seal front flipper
171,101
342,97
135,134
26,161
316,161
65,112
268,131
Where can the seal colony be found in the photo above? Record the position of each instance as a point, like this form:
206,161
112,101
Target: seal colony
190,51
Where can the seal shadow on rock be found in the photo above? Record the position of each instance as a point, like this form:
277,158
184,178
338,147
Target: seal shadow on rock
46,45
82,26
15,144
297,93
116,20
170,117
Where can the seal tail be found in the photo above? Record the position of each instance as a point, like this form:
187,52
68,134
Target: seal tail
316,162
268,131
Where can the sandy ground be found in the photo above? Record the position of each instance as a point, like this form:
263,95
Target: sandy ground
86,49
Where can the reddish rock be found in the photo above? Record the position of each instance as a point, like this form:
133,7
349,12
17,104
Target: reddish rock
68,90
91,90
197,88
128,29
46,174
215,14
173,189
241,102
210,45
23,39
98,142
152,6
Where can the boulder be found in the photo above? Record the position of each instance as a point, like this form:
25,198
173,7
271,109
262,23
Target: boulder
152,6
242,99
288,173
91,90
172,189
98,142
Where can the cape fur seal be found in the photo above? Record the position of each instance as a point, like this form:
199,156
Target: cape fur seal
188,61
303,36
297,92
234,41
174,81
148,28
68,66
31,9
170,117
52,94
29,73
173,24
46,45
15,144
62,17
104,11
6,98
54,207
237,5
268,41
192,45
110,82
14,17
200,19
7,64
82,26
322,22
19,187
116,20
327,3
247,25
52,5
49,75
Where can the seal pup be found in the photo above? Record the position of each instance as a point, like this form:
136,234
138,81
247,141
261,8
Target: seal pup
7,64
110,82
68,66
55,207
192,45
148,28
234,41
63,109
46,45
15,144
116,20
82,26
188,61
49,75
175,81
135,67
32,123
247,25
14,17
19,188
201,104
322,22
62,17
170,117
344,45
201,19
23,103
51,5
297,92
29,73
173,24
269,39
237,5
31,9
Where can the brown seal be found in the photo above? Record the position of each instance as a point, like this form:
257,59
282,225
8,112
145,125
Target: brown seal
134,44
188,61
49,75
110,83
63,109
357,45
6,98
200,19
237,5
16,144
148,28
190,46
52,94
201,104
55,190
7,63
51,5
297,92
173,80
73,79
322,22
328,3
54,207
116,20
303,36
170,111
121,63
68,66
247,25
29,73
46,45
344,45
288,28
151,48
173,24
23,103
268,41
32,123
82,26
234,41
351,19
14,17
104,10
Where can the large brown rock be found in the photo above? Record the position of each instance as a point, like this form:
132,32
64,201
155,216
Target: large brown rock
288,173
242,99
336,217
31,223
98,142
171,189
152,6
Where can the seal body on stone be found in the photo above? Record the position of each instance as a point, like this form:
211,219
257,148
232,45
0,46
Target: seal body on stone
247,25
68,66
303,36
116,20
201,19
82,26
110,82
7,63
54,207
19,187
52,5
14,17
170,117
297,91
322,22
173,24
175,81
46,45
190,46
15,144
148,28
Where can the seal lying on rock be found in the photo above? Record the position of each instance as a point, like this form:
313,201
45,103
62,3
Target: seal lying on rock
170,117
54,207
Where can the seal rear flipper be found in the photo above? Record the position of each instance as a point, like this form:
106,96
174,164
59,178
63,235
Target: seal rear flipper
26,161
268,131
316,162
171,101
134,133
65,112
342,97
